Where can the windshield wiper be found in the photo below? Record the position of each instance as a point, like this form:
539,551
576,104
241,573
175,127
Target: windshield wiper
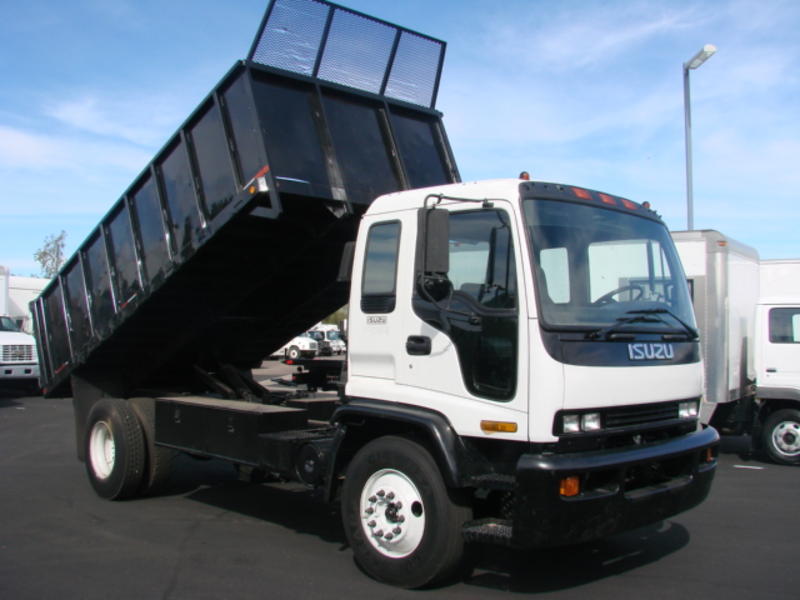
604,332
665,311
641,316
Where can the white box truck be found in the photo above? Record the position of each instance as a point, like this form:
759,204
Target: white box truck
748,314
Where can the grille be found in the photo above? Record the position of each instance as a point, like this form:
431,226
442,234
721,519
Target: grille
642,414
17,353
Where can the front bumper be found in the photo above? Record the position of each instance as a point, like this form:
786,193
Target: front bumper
621,489
19,371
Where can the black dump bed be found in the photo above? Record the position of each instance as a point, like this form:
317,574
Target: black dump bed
229,242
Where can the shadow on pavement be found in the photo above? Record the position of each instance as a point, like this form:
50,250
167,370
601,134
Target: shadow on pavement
742,447
547,570
215,483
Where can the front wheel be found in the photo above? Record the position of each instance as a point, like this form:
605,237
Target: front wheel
294,353
115,450
402,522
782,436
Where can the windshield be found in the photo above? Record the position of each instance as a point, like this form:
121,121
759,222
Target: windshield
598,269
7,324
333,335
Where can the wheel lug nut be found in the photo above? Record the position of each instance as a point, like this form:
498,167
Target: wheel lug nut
398,505
401,519
390,495
389,537
371,524
381,493
396,531
370,510
373,499
378,533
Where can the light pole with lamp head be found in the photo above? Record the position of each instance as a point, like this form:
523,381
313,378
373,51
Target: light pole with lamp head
698,59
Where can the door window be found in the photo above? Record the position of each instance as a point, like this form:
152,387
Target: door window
784,325
378,288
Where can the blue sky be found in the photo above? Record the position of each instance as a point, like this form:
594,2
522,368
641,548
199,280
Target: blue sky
575,91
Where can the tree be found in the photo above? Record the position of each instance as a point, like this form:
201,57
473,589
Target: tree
51,255
337,317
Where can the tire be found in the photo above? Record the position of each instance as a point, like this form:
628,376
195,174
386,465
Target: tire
401,521
294,353
781,436
158,459
115,450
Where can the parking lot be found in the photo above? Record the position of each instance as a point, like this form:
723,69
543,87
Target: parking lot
212,536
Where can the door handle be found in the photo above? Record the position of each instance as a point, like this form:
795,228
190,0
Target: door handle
772,370
418,345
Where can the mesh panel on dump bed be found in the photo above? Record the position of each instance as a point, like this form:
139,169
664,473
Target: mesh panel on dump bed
317,39
228,242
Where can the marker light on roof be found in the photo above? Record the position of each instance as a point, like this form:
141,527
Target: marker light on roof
607,199
581,193
628,204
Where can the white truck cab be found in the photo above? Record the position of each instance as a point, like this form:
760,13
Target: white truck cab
18,360
550,327
300,346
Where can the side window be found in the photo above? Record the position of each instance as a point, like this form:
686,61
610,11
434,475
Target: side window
784,325
378,287
554,263
482,258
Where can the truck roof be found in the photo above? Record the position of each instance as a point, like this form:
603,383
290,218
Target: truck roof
509,188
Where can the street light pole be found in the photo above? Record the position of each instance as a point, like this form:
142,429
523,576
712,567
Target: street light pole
698,59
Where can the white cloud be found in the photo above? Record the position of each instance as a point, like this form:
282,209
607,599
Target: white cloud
568,37
21,149
29,151
143,121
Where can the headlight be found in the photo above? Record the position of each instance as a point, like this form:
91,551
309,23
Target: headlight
578,422
572,424
687,410
590,422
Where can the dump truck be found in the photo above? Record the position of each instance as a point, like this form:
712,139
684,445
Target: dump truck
748,312
523,367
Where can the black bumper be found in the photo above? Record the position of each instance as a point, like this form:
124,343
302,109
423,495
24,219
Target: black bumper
621,489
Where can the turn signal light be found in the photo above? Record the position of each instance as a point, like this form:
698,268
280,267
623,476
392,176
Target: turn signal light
498,427
570,486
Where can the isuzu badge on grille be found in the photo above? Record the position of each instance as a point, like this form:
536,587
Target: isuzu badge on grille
650,351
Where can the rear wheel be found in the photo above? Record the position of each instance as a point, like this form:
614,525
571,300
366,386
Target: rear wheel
782,436
158,460
115,450
402,522
294,353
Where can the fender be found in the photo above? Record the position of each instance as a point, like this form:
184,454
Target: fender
448,448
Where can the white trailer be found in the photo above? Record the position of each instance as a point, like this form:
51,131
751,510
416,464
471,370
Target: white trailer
748,314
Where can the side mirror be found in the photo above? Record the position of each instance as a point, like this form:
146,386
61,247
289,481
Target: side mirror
433,252
435,232
346,263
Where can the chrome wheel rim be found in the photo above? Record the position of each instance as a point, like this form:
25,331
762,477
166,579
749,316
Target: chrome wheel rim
392,513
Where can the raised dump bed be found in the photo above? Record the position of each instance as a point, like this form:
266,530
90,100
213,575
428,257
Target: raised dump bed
229,242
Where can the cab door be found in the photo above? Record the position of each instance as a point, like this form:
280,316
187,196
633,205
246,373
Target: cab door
780,347
463,343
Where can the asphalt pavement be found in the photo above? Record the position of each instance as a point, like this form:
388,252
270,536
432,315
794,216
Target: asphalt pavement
212,536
